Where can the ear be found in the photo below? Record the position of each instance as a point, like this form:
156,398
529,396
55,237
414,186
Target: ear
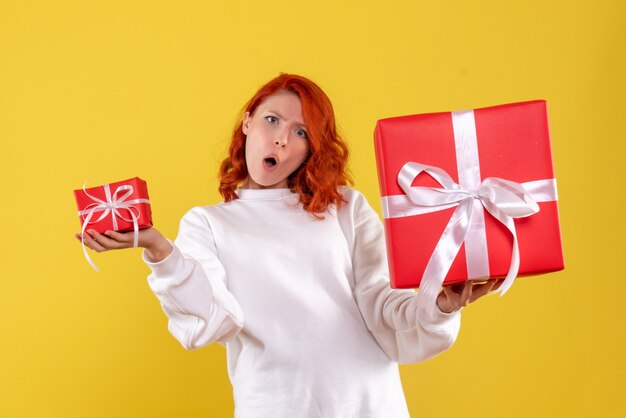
246,123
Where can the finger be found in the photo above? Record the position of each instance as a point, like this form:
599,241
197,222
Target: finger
80,238
107,243
481,290
92,243
448,299
488,288
453,292
467,293
458,287
497,284
448,291
454,288
120,237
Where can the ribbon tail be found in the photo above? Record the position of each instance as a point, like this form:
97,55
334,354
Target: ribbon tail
135,229
542,190
444,254
515,258
82,241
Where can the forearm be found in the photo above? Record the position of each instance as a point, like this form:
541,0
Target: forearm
403,328
159,250
406,329
200,308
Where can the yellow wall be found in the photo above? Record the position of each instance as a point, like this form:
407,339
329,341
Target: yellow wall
110,90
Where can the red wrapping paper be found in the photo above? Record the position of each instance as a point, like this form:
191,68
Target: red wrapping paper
141,210
514,144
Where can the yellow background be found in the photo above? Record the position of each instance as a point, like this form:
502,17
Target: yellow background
111,90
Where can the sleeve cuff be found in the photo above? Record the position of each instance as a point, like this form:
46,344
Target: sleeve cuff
168,265
439,314
441,321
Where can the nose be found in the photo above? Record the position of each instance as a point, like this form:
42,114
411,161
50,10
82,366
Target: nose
281,140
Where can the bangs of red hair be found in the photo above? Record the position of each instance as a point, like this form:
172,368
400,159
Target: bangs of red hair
325,168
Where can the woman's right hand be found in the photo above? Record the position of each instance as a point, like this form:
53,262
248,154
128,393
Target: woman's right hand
157,247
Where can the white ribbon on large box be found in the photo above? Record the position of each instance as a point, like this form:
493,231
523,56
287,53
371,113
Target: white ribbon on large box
504,199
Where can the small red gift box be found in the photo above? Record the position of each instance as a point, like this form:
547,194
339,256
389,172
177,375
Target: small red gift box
122,206
115,206
477,198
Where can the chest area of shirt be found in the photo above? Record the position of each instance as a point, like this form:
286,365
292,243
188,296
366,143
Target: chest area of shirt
291,239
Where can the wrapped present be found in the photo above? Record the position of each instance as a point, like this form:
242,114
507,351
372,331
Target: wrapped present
468,195
122,206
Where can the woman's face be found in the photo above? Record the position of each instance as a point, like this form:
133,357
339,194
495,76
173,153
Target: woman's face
276,141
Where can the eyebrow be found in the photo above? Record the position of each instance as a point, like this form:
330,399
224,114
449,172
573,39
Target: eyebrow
282,117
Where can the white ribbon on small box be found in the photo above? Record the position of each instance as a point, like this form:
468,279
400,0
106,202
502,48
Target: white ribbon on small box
114,202
504,199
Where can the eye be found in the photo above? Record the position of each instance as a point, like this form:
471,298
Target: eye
301,133
271,119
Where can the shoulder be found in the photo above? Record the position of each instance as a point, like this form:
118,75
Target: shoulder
356,205
196,217
199,226
198,212
352,196
208,210
356,217
200,216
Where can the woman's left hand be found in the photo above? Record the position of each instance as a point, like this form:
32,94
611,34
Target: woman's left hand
455,296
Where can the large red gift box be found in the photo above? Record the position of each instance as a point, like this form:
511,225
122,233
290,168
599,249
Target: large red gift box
115,206
509,142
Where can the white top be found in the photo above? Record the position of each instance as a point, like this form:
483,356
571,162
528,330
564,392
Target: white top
303,305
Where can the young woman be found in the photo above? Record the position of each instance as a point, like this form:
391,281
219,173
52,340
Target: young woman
290,272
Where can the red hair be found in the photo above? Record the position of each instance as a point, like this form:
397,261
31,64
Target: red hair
325,168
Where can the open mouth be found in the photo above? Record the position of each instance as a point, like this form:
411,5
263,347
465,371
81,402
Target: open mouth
270,162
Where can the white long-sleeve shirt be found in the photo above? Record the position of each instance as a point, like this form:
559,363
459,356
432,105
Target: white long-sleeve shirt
303,306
